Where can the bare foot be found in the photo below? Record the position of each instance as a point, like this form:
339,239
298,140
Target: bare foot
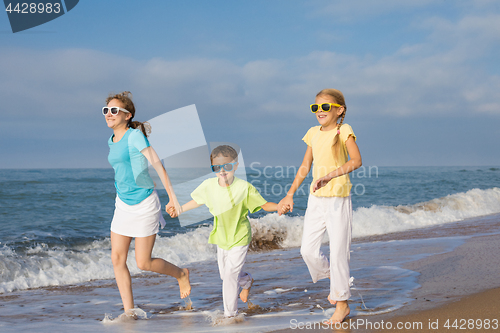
128,315
245,292
330,300
184,285
341,312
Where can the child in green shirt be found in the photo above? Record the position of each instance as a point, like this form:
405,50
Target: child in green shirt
229,200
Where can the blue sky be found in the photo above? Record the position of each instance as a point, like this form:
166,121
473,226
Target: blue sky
421,78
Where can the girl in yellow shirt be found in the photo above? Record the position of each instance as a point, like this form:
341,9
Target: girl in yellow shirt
329,205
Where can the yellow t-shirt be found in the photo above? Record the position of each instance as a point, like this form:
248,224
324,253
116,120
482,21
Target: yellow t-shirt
325,162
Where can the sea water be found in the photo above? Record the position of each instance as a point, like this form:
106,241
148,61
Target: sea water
55,261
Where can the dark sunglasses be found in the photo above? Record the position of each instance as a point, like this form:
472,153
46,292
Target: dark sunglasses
227,167
324,107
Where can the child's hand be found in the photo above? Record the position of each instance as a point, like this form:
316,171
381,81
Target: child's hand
170,208
285,205
321,182
173,213
284,209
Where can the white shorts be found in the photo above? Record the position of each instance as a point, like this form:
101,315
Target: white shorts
141,220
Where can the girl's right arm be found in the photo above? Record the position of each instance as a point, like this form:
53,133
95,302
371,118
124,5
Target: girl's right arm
188,206
305,167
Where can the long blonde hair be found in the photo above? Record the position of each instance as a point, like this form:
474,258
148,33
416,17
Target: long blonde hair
338,98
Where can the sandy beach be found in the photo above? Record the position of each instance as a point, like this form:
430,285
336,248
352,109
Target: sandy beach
460,290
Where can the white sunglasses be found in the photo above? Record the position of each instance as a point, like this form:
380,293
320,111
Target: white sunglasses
114,110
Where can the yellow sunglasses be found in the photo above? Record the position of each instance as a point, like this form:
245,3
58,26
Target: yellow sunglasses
324,107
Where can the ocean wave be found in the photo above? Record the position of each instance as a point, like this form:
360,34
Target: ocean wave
378,220
42,265
272,231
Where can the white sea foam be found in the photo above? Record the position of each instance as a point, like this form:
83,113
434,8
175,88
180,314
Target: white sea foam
132,314
378,220
186,248
217,318
278,291
44,266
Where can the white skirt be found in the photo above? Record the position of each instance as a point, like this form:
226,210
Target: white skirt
141,220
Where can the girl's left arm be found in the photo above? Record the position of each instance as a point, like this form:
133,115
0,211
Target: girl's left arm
351,165
155,161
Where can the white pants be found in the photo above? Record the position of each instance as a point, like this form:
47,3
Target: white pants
332,214
230,267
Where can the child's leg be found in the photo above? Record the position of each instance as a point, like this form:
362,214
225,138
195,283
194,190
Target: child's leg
245,281
314,229
230,264
339,219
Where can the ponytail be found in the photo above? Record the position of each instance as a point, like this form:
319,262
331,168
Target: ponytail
336,144
145,127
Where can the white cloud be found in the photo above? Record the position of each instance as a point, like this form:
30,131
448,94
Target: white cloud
440,75
356,10
470,37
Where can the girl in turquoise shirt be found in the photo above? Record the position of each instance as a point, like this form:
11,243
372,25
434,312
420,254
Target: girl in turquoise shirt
138,209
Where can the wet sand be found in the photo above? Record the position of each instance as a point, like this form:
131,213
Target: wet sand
460,290
479,312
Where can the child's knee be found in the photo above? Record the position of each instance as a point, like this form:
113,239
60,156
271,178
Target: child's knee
307,252
339,252
231,274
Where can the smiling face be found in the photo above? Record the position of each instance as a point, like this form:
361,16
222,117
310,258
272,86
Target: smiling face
328,120
225,177
121,119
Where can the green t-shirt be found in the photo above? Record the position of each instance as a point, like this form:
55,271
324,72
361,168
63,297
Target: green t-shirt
229,206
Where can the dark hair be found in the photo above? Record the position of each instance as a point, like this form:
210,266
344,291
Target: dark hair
224,150
126,99
338,98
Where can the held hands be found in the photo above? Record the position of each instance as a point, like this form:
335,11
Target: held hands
285,205
172,210
283,210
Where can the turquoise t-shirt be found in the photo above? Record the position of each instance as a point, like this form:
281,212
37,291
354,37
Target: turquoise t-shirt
229,206
132,180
